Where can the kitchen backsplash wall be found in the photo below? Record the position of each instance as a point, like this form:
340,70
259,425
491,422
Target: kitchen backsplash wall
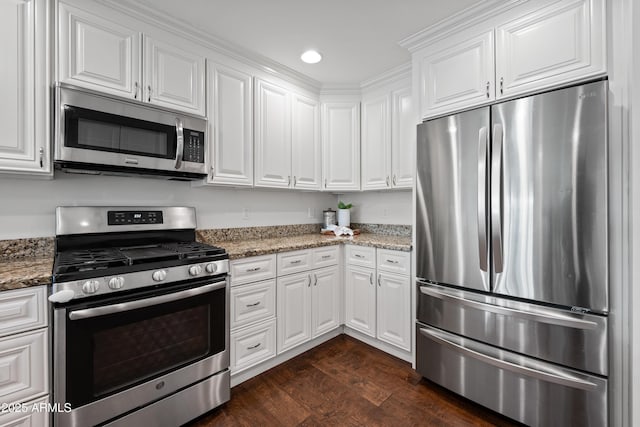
380,207
27,206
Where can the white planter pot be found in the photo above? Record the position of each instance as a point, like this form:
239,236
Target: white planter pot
344,217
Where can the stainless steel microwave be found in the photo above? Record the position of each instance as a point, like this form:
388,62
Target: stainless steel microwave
97,133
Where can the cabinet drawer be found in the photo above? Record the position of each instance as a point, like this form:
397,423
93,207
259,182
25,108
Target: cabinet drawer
361,255
253,302
252,345
252,269
324,257
22,310
23,366
394,261
33,415
294,262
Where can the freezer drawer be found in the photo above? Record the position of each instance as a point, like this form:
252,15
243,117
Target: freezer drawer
528,390
558,336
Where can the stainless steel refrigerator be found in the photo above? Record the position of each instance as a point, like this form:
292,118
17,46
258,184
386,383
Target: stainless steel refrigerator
512,256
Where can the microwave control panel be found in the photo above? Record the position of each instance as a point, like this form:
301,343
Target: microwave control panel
193,146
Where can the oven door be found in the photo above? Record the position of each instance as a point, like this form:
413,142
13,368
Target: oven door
118,354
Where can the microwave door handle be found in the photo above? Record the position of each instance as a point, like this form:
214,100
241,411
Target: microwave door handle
147,302
180,143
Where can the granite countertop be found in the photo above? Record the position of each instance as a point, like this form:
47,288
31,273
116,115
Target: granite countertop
24,272
17,271
254,247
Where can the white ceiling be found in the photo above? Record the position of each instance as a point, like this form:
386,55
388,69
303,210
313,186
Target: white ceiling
358,38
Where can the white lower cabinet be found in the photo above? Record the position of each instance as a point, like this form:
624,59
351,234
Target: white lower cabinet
325,301
378,300
294,310
252,345
24,357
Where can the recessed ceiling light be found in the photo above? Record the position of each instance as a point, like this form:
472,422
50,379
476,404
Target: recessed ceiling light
311,57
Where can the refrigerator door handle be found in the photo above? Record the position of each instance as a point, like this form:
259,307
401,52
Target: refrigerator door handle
549,318
496,198
536,371
482,198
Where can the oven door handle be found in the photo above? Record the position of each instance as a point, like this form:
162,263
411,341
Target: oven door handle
147,302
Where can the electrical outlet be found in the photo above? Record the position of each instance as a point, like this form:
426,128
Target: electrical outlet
311,213
385,212
245,213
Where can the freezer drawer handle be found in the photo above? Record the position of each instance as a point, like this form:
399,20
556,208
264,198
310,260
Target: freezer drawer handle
557,378
482,198
147,302
552,319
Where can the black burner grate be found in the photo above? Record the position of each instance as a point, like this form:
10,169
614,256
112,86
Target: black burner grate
89,260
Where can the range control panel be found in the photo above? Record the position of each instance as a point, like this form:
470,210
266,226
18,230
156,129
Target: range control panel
193,146
134,217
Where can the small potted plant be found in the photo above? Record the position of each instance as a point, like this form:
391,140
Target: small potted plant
344,214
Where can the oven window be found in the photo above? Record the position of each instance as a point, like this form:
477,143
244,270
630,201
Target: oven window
95,130
109,353
124,354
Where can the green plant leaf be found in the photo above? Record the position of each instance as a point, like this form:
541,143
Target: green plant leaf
341,205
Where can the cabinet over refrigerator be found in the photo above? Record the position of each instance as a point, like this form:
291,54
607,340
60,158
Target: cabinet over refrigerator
512,255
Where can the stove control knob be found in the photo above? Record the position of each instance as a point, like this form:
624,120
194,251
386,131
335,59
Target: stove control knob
159,276
116,282
194,270
211,267
90,286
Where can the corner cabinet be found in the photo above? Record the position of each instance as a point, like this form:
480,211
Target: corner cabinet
24,118
517,53
230,125
341,146
100,54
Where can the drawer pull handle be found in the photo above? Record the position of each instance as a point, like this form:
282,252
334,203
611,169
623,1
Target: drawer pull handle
390,261
326,256
251,270
254,304
253,346
359,256
298,261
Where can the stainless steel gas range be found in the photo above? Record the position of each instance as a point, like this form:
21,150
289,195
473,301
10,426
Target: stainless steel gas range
140,317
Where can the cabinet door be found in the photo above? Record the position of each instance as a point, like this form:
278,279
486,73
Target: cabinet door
272,136
403,138
294,310
341,145
306,151
24,88
98,54
360,299
174,78
394,310
458,76
325,301
555,45
230,126
376,143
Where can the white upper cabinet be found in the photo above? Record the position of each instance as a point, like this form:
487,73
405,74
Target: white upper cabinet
174,78
458,75
24,88
306,151
103,55
376,143
272,136
536,47
403,137
558,44
341,145
230,126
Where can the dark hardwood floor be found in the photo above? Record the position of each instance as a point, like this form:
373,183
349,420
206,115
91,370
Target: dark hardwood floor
345,382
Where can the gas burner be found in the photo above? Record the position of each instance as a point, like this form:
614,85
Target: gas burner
193,249
89,260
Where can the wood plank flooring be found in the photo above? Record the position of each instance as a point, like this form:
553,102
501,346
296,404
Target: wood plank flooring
345,382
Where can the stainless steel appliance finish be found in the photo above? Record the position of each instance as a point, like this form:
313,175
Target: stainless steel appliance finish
512,252
134,115
329,218
140,317
531,391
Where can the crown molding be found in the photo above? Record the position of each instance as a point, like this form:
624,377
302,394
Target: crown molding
145,12
340,89
466,18
402,71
